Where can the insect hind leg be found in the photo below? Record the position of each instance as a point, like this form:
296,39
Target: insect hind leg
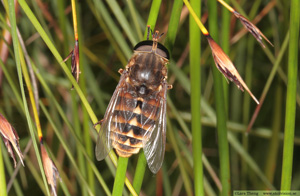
98,123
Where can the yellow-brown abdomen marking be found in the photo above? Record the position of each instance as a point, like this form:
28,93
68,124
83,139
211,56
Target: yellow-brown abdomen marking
134,122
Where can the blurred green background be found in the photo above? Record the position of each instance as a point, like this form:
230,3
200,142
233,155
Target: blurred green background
108,31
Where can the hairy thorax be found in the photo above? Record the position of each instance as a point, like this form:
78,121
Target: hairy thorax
146,72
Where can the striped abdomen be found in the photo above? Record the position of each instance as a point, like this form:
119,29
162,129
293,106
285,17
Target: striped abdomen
132,122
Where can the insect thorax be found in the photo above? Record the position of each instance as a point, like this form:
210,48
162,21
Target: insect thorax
146,72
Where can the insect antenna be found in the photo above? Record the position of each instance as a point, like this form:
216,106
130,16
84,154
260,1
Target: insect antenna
160,35
154,39
148,31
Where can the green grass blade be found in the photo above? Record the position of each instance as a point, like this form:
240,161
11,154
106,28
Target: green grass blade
120,176
289,129
195,77
2,175
225,45
153,15
34,172
134,17
173,25
12,85
139,172
113,28
115,8
85,125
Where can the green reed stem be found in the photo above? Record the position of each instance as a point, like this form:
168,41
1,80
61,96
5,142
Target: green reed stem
120,176
289,129
173,25
82,166
139,172
154,11
195,77
225,45
2,176
85,125
220,108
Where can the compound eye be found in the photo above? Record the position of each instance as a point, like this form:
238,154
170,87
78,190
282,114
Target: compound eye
146,46
162,51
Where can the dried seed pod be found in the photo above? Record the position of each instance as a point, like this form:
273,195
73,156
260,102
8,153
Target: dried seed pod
252,29
226,67
11,139
74,54
50,169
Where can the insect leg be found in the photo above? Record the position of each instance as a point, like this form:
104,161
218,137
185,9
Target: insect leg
98,123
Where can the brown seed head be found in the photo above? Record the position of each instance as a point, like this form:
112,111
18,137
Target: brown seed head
50,169
75,62
11,139
75,68
252,29
226,67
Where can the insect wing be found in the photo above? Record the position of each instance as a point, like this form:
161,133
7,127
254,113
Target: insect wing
104,143
154,147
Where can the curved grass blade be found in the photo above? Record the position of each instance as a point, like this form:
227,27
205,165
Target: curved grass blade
18,59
